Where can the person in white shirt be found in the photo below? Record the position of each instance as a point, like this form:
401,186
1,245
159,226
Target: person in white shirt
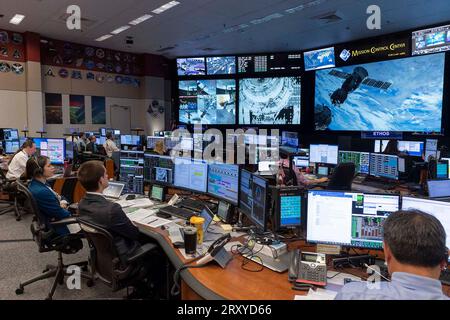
18,163
80,142
109,145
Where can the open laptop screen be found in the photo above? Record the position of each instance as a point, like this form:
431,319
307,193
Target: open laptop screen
114,190
438,188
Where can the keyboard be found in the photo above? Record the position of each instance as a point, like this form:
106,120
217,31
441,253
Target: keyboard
178,212
192,204
445,277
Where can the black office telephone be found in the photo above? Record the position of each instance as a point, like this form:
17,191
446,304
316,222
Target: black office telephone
217,252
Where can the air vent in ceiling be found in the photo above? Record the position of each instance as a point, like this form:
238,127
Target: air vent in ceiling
329,17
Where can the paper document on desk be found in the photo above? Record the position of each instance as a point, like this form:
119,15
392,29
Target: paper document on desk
124,203
155,222
142,203
318,294
140,215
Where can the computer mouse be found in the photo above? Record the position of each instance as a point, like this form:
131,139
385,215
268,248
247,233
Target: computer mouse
130,197
178,245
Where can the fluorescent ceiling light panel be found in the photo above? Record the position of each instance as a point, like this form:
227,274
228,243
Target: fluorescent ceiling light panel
267,18
145,17
304,6
102,38
121,29
17,19
165,7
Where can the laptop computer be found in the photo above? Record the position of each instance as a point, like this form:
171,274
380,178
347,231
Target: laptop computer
114,190
177,234
439,190
267,168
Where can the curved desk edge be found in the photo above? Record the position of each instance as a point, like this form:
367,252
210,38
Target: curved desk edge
190,280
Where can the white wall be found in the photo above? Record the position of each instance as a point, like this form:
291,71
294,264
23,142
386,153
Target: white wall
13,109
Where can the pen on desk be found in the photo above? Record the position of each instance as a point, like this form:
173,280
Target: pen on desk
150,222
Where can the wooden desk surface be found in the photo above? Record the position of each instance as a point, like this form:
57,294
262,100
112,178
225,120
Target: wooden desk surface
234,283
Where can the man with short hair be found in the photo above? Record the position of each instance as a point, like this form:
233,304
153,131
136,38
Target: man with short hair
18,163
415,253
96,209
109,145
92,146
81,142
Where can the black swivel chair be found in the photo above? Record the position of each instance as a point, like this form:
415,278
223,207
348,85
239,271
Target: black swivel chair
68,188
9,187
48,240
342,177
106,264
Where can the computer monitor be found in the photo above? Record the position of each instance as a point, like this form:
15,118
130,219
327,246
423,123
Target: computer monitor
288,207
322,171
323,153
22,140
438,188
442,170
348,218
222,210
412,148
223,182
130,140
157,193
268,167
100,141
9,134
438,209
289,139
431,149
380,145
69,150
151,141
159,169
55,149
300,161
448,161
11,146
253,201
384,166
132,171
360,159
191,174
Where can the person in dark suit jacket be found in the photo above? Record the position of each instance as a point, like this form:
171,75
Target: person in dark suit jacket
92,146
50,204
96,209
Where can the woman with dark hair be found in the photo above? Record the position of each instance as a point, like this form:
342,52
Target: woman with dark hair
50,204
392,148
16,167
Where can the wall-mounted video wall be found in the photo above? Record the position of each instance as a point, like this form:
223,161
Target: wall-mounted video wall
391,83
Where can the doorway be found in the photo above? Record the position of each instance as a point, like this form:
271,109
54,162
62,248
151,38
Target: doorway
121,118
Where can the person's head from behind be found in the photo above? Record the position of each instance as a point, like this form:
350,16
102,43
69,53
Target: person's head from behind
109,136
414,242
93,176
92,139
39,168
81,135
159,147
29,147
391,147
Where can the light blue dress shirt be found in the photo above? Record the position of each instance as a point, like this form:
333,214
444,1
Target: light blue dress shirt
403,286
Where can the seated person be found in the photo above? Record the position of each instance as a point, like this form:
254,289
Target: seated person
18,163
96,209
302,181
92,146
415,253
80,142
50,204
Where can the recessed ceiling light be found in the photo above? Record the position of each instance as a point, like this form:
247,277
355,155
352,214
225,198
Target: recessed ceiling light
140,19
103,38
17,19
121,29
165,7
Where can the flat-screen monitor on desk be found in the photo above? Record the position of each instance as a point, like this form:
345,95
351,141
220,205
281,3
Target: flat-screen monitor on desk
11,146
159,169
55,149
288,207
442,170
431,149
323,153
191,174
289,139
360,159
9,134
412,148
151,141
300,161
130,140
448,161
253,201
384,166
348,218
380,146
438,209
223,182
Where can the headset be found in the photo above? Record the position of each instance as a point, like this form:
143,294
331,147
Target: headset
39,170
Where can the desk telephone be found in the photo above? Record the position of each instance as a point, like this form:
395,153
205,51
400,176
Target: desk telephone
217,252
308,268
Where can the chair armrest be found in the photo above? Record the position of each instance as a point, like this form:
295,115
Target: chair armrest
141,252
64,222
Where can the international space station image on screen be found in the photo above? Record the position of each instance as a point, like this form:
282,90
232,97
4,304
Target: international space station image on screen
397,95
269,100
207,101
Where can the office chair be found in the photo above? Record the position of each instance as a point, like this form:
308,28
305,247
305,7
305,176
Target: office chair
106,264
68,188
342,177
48,240
9,187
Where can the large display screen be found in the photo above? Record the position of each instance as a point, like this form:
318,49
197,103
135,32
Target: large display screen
191,66
395,95
207,102
269,100
431,40
221,65
319,59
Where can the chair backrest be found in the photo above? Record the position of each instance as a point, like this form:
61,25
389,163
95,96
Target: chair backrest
342,177
40,231
104,256
68,188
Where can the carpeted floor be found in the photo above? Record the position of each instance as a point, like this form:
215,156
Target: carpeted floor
20,260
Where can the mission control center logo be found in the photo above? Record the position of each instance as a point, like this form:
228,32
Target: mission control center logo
346,54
